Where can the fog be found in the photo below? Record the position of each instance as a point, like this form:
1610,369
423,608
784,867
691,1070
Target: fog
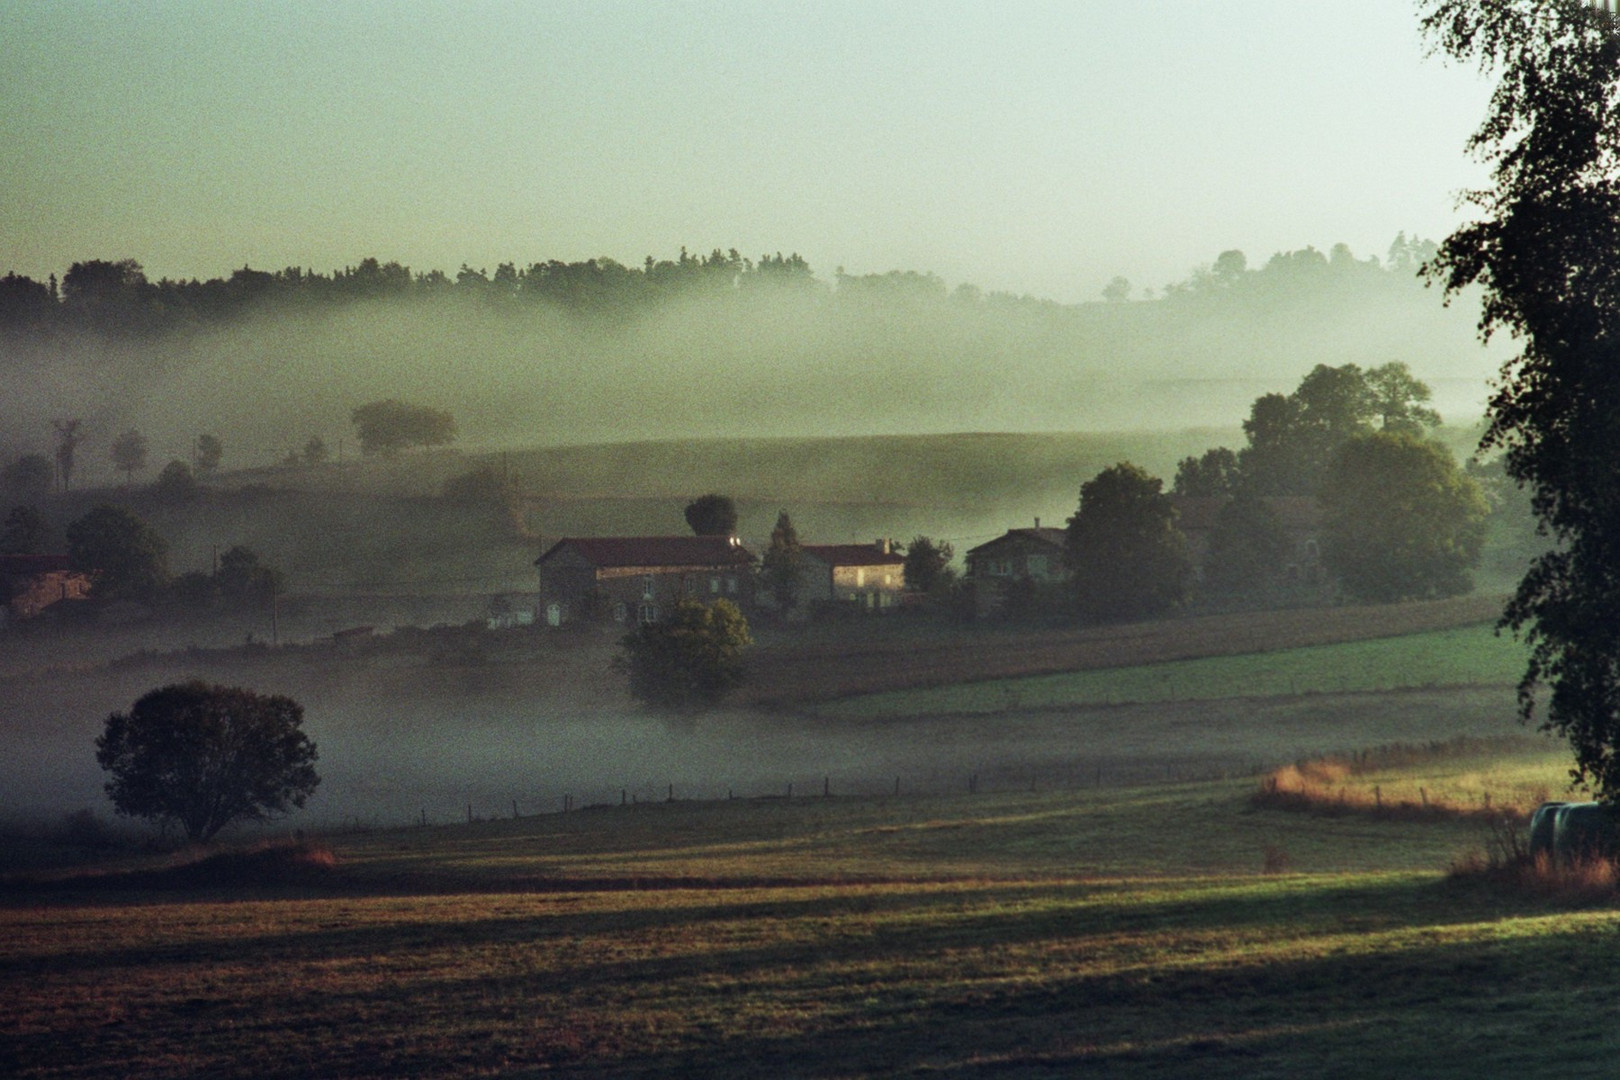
405,738
766,362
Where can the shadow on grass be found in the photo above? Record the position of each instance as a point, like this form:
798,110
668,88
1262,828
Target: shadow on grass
845,994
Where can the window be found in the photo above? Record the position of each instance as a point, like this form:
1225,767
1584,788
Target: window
731,585
647,583
860,576
714,586
620,612
647,613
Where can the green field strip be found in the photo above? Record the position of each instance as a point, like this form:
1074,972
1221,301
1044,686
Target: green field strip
1467,656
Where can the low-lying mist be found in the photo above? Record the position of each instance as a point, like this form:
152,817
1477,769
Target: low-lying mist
762,363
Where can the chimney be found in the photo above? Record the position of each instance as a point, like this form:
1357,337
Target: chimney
882,545
1037,523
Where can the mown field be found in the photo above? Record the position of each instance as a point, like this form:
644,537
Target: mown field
1163,930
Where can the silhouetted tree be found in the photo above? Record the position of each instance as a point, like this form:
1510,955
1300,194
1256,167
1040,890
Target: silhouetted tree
243,580
69,436
209,452
1545,246
128,452
201,757
928,565
712,515
1400,520
1212,474
127,557
1247,549
782,566
691,657
175,484
1126,557
387,427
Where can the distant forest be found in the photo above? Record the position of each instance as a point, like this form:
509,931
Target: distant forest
115,298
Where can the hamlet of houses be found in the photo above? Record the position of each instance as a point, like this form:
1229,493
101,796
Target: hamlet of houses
638,578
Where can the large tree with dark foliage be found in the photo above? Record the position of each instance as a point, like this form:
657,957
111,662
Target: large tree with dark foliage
1400,520
928,564
1544,243
690,658
1125,555
712,515
126,557
202,757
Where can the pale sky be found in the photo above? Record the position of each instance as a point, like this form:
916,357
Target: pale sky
1023,146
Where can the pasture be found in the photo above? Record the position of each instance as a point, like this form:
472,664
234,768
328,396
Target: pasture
1459,656
1170,929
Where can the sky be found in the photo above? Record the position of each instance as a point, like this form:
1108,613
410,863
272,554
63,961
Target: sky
1030,147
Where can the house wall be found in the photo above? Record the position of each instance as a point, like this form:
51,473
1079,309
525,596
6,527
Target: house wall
1016,557
34,594
632,593
876,588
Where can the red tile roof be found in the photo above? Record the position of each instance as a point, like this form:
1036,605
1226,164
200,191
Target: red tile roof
852,555
623,551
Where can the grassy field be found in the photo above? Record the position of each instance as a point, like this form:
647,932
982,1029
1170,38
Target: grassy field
1464,656
1166,930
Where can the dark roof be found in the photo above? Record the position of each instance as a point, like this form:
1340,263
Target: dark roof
1052,537
29,565
622,551
852,555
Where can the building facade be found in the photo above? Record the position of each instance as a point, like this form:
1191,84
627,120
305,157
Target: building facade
630,579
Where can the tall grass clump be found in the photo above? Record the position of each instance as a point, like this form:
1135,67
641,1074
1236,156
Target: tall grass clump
1410,781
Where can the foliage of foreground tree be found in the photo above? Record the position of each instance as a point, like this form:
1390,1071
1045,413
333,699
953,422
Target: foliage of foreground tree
1545,247
201,757
692,657
387,427
1400,520
1125,555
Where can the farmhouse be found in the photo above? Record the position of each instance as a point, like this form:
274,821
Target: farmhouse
639,577
31,583
1018,555
869,576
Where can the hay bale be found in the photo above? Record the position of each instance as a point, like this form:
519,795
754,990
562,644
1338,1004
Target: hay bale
1542,824
1585,830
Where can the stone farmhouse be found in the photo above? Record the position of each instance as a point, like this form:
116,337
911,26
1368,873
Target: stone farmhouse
1034,555
869,576
31,583
639,578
